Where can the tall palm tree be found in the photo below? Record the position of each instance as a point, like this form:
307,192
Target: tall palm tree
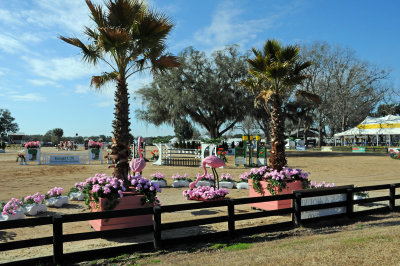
129,38
274,72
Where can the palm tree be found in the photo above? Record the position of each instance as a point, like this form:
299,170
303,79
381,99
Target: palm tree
274,72
129,38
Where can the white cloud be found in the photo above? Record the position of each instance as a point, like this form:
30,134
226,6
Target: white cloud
80,89
42,82
11,45
30,97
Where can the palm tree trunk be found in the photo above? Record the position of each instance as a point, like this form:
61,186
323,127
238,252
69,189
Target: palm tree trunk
121,125
277,158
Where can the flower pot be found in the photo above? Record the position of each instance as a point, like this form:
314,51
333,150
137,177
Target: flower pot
9,217
242,185
32,154
180,183
160,183
95,153
278,204
129,201
226,184
57,202
205,183
34,209
76,196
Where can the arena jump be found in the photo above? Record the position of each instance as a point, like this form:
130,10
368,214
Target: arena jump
35,155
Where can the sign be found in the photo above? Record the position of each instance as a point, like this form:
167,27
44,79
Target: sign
326,148
65,159
358,149
240,160
300,148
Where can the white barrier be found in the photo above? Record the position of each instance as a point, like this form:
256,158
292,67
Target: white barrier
57,158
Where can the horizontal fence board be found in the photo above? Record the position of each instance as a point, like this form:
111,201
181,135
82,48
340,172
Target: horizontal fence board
323,206
397,196
26,243
370,188
282,226
33,261
321,193
26,222
108,233
204,221
196,238
261,214
193,206
372,211
370,200
105,214
262,199
323,218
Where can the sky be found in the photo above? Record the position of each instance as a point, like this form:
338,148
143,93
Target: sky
45,85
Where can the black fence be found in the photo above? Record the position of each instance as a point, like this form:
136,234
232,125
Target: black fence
183,161
58,238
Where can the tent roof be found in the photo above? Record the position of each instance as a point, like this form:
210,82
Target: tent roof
387,125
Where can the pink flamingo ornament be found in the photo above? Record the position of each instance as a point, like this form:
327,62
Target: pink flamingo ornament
138,164
214,162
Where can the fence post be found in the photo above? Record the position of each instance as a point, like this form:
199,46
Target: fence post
297,209
231,217
392,200
57,239
350,202
157,227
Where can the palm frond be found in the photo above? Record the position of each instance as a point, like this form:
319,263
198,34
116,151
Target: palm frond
99,81
313,97
97,14
90,52
264,95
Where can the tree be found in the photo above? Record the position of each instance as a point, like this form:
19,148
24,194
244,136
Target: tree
58,133
7,123
183,130
204,89
275,71
129,38
387,109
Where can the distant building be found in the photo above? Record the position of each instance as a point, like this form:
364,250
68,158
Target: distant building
16,138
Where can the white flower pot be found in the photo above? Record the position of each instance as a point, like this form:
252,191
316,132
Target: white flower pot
161,183
8,217
205,183
77,196
57,202
226,184
242,185
180,183
34,209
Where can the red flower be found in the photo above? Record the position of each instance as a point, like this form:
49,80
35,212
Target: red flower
224,153
261,152
219,152
221,149
199,147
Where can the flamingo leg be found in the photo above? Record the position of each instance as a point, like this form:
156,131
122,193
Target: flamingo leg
216,178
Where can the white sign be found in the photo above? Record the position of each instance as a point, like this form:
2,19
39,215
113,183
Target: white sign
326,148
65,159
322,200
240,160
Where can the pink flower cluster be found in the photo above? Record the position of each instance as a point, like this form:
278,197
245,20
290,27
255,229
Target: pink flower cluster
205,193
244,177
80,186
11,207
95,145
287,173
54,192
103,185
209,177
158,176
34,199
142,184
32,144
178,177
227,177
321,185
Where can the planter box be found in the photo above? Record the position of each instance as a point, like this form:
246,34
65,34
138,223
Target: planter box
180,183
18,215
278,204
320,200
160,183
242,185
202,199
76,196
129,201
57,202
205,183
34,209
226,184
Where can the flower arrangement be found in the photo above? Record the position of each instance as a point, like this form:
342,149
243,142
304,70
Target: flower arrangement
244,177
76,192
227,177
143,186
95,145
34,199
178,177
102,186
205,193
323,184
33,204
158,176
209,177
11,207
276,181
55,192
32,145
155,155
222,154
21,157
394,154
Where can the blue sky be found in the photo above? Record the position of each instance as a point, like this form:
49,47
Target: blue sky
45,85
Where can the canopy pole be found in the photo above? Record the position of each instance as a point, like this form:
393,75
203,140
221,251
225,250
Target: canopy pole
390,141
377,140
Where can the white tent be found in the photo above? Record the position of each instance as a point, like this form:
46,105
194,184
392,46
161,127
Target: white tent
387,126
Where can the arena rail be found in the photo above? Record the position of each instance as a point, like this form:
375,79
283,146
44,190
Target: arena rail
58,238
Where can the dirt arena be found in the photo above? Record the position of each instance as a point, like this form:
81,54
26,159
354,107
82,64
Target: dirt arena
21,180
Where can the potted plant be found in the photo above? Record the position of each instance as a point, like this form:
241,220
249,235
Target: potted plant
159,179
33,148
181,181
54,198
12,210
21,158
154,155
227,181
75,193
244,181
207,181
205,193
95,149
32,204
222,154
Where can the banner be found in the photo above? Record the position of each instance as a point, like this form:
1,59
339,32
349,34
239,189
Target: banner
358,149
65,159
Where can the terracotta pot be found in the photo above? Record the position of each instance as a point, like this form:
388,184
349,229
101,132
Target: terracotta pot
130,200
278,204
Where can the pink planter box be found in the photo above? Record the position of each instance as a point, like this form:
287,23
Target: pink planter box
278,204
129,201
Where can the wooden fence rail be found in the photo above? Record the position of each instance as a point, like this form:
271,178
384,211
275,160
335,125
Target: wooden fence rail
58,238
